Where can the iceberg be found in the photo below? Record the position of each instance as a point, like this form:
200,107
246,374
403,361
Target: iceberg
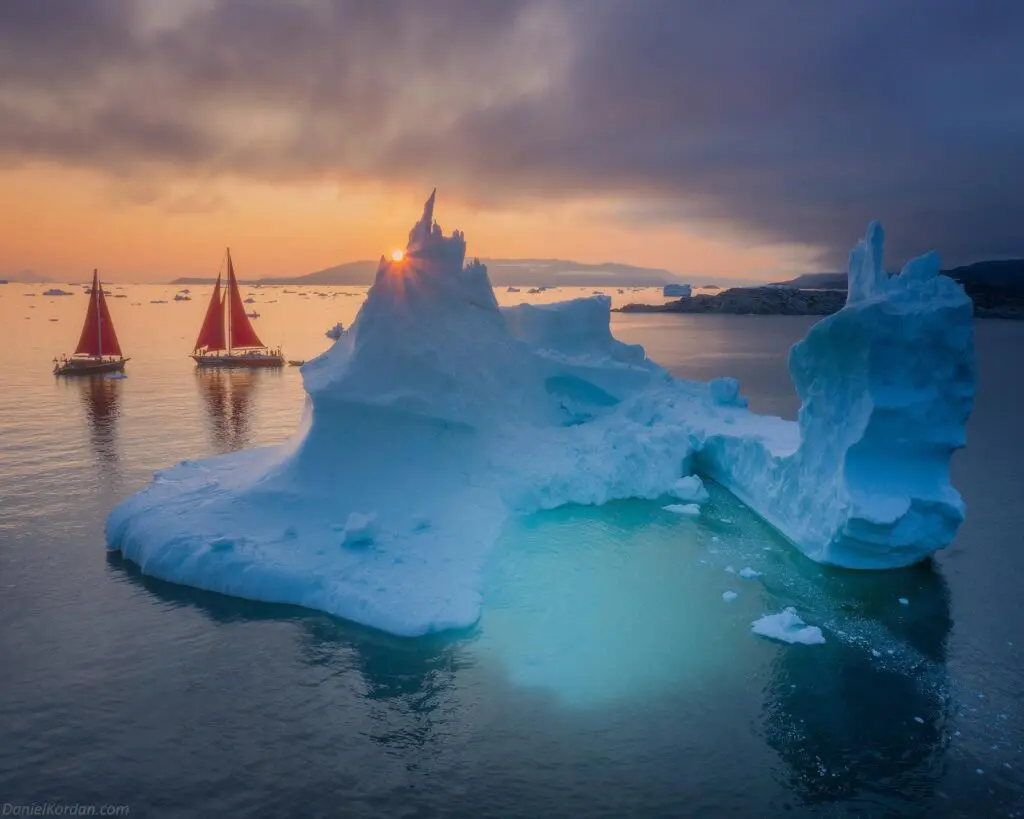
437,415
677,290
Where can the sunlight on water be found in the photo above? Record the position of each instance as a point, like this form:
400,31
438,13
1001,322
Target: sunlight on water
622,601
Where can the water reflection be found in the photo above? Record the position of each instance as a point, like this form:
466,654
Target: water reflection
865,715
229,398
404,684
101,398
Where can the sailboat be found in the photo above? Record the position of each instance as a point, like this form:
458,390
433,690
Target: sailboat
227,338
97,350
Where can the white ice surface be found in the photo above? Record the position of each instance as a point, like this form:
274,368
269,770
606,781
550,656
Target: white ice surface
437,414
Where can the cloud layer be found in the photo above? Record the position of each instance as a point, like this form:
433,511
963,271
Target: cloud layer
788,122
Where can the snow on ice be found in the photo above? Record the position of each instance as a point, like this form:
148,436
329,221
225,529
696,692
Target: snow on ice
437,414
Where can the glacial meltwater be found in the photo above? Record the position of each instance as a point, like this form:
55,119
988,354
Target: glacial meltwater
613,671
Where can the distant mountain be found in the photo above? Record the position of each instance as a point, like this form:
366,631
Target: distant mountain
502,272
25,277
815,281
1006,275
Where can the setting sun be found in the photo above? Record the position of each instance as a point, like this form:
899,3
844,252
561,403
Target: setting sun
397,255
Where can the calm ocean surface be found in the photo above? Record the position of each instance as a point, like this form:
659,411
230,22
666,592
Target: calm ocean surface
606,677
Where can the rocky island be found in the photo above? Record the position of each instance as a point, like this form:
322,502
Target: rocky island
996,288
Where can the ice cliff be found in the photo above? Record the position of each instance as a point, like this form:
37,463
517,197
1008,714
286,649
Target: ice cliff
437,414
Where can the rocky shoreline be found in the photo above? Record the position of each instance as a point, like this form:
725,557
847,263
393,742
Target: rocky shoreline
785,301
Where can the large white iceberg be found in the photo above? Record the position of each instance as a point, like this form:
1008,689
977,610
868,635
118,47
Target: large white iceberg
437,414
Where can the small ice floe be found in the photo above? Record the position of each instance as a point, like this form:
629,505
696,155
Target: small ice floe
56,291
690,510
117,376
715,539
979,771
729,596
725,520
748,573
730,570
512,290
359,529
787,627
690,489
919,720
904,601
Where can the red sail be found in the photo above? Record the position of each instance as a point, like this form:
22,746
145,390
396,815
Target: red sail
242,333
98,337
211,334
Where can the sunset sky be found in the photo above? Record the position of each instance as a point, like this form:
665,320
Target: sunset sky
749,139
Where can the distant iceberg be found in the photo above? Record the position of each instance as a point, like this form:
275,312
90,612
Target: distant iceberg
677,290
438,414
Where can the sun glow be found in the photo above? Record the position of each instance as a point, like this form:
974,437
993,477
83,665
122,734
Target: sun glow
397,255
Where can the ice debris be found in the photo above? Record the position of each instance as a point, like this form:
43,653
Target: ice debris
748,573
690,510
437,394
335,332
689,489
729,596
787,627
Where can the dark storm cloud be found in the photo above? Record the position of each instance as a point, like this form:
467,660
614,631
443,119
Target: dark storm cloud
792,121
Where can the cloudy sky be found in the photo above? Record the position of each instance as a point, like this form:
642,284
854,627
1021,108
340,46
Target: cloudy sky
734,137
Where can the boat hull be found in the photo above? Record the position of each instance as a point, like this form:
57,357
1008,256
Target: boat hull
89,366
245,360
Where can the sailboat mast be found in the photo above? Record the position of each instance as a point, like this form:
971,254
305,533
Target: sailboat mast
97,292
227,305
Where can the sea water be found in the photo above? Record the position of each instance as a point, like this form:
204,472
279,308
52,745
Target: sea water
606,677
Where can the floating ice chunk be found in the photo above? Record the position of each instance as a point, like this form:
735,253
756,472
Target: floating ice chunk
904,601
787,627
730,570
919,720
748,573
729,596
690,489
690,510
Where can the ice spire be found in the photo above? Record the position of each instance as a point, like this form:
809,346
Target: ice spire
420,233
866,276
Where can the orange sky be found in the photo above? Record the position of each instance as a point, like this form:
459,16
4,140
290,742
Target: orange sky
62,222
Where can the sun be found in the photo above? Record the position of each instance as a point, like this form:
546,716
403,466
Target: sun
397,255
